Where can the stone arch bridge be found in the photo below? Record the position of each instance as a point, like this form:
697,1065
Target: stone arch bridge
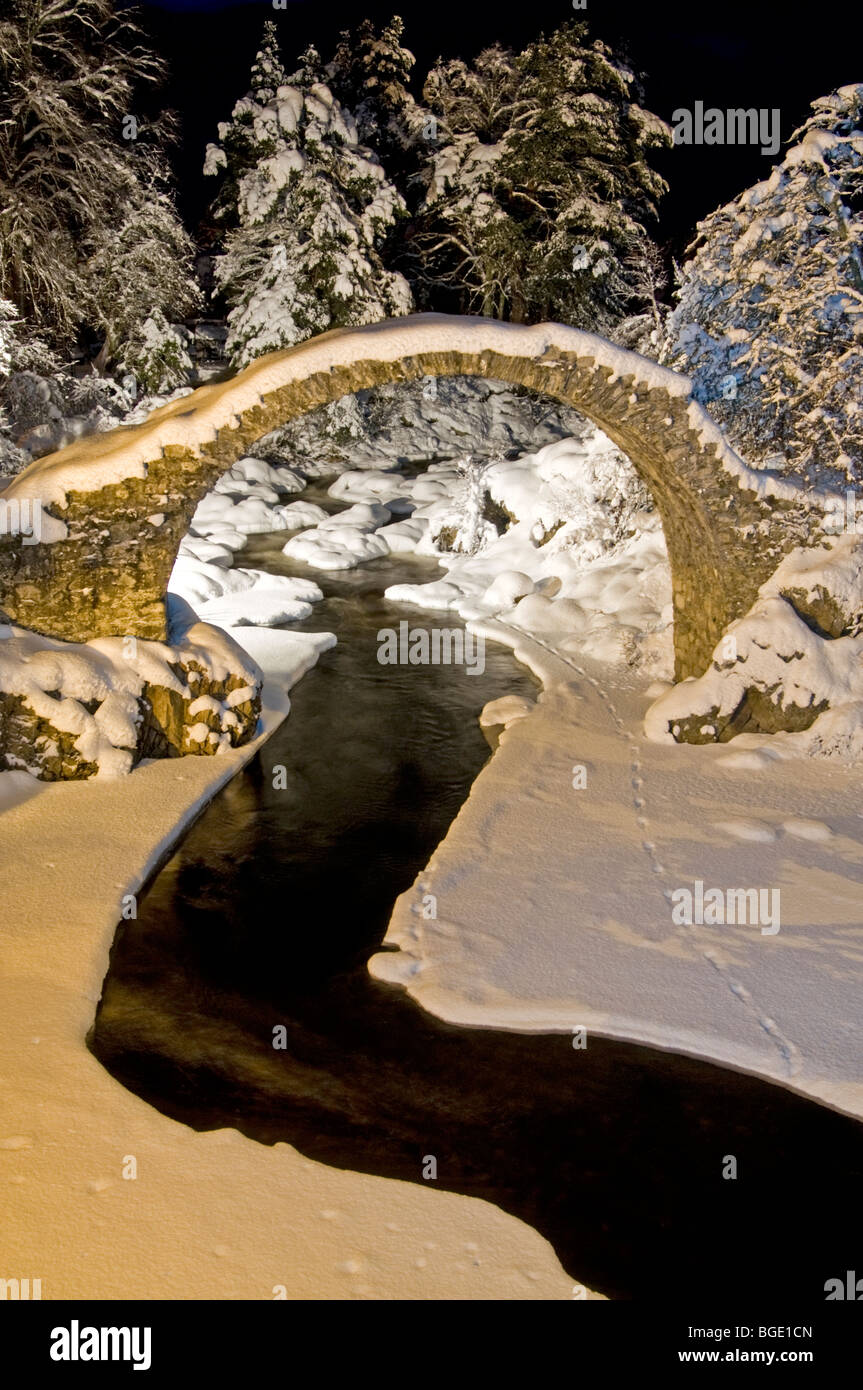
114,507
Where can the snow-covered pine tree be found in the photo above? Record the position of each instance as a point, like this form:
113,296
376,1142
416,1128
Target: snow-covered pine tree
581,177
543,183
308,209
139,275
8,319
370,75
251,135
156,355
12,459
474,112
85,219
769,320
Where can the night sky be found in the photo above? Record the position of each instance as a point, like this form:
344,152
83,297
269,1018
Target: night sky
724,54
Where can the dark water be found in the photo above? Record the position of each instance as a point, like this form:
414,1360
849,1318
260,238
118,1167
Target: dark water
266,916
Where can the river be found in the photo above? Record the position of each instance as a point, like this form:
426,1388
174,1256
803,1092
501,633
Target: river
258,930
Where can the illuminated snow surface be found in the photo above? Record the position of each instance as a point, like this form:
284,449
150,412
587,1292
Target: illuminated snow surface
553,891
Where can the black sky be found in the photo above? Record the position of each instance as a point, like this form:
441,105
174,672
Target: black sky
724,54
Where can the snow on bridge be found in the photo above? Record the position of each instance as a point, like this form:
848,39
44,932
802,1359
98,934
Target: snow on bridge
115,506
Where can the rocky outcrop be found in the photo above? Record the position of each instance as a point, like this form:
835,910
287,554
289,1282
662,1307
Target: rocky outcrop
69,712
797,654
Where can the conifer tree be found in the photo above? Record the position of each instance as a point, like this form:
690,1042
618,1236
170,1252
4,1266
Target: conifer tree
542,184
769,319
307,208
370,74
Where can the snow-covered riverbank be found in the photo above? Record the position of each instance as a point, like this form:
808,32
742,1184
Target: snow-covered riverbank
554,890
208,1215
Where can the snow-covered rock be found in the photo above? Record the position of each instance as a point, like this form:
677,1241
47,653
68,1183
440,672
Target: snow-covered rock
248,517
337,547
793,663
69,712
239,597
300,514
254,477
575,555
358,485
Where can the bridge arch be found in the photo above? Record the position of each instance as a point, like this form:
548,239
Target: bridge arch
115,506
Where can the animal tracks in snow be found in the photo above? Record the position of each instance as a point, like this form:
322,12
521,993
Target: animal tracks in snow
808,829
747,830
743,828
702,846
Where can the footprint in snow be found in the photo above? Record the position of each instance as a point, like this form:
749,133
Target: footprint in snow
17,1141
747,830
807,829
753,760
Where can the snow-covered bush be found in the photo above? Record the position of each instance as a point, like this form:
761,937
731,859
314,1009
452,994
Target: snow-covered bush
462,526
12,458
102,399
769,322
46,408
8,319
156,354
310,208
32,400
16,353
581,495
8,315
141,280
